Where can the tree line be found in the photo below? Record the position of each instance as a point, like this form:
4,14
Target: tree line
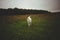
17,11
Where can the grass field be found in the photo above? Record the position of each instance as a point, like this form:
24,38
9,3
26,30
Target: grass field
15,27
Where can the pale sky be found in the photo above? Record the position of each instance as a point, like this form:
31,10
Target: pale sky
50,5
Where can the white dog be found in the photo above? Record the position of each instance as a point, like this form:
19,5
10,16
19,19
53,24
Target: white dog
29,20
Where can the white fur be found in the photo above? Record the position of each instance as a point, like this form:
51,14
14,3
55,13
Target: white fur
29,21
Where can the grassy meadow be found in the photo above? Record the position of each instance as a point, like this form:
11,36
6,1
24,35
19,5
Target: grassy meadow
44,27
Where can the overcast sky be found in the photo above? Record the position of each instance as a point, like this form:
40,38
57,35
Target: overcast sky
50,5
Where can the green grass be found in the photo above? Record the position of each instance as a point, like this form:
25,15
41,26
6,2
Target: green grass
41,29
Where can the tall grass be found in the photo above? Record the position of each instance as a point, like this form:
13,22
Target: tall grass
16,28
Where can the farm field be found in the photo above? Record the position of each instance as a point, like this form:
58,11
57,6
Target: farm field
44,27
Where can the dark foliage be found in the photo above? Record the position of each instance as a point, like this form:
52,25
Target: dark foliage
17,11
